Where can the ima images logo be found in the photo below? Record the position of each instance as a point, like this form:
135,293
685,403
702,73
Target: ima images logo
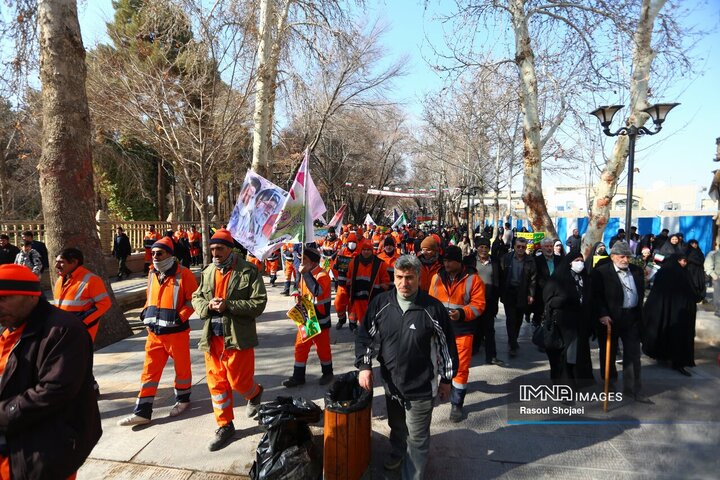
544,393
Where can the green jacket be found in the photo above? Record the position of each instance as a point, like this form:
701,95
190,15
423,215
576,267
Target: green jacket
246,300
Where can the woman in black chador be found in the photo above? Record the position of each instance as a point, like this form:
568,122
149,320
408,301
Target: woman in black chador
567,300
669,316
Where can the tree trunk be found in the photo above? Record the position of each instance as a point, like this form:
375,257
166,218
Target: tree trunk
532,179
65,168
643,56
161,191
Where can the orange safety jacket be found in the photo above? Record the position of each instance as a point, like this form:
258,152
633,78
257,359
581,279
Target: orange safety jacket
377,240
342,264
150,238
316,285
427,272
168,305
83,293
466,292
389,261
195,239
367,280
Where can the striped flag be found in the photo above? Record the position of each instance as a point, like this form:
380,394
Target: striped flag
302,206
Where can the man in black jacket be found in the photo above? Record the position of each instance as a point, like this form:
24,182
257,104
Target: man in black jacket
121,250
412,332
617,298
545,265
8,251
517,289
49,417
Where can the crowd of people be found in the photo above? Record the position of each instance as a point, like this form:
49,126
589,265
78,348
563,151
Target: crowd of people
420,301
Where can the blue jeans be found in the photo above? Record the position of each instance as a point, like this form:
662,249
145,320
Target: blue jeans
410,434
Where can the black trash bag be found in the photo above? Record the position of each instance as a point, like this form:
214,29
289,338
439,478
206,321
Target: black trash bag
286,451
284,409
346,395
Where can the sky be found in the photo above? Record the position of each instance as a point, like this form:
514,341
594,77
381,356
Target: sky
681,154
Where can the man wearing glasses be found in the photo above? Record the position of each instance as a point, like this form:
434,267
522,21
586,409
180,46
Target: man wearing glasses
518,277
166,315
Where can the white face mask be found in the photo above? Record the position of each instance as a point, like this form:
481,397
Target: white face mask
352,245
577,266
164,265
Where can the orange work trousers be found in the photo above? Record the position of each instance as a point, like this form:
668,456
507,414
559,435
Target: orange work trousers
322,346
290,271
464,348
158,348
342,298
357,310
228,370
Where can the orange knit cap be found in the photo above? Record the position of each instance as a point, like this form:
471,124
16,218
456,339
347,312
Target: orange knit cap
223,237
18,280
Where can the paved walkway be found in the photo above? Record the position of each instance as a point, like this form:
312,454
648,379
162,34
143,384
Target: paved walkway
676,437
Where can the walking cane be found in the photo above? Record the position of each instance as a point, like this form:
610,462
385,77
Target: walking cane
607,366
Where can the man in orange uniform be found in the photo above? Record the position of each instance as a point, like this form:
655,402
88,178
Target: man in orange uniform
389,255
272,265
367,276
49,417
166,314
314,285
230,297
288,252
195,239
340,271
377,238
151,236
80,291
463,294
329,248
429,261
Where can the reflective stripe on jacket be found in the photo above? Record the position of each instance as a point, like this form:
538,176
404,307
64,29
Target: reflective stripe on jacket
84,294
466,293
168,305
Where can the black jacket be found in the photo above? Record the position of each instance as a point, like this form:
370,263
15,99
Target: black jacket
121,246
8,254
542,277
48,410
404,344
607,291
527,281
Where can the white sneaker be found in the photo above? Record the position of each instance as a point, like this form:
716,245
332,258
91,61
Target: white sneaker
179,408
133,420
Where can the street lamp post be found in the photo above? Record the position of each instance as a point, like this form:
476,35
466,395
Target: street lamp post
605,114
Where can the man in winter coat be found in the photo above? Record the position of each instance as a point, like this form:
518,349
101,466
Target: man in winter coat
230,297
518,275
49,417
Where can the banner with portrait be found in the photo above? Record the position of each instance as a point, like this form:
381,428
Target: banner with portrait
254,215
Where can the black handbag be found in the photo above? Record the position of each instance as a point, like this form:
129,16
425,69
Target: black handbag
547,335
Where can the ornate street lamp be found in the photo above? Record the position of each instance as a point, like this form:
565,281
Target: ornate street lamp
605,114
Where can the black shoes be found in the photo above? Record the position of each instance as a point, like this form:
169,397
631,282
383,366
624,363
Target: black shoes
326,379
456,413
340,323
352,326
683,371
223,435
293,382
